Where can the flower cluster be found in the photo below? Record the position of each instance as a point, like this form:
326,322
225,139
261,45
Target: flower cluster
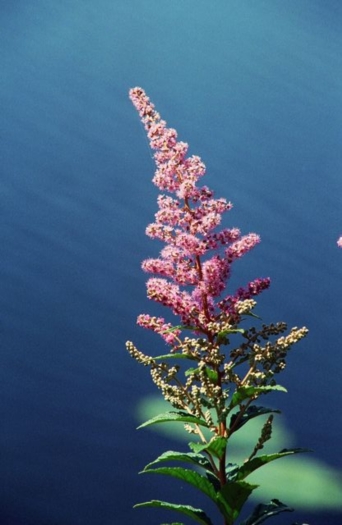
195,264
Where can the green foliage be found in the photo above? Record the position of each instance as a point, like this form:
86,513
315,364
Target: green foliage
196,514
189,457
174,523
232,497
251,412
263,512
250,466
320,485
213,403
216,447
252,392
189,476
223,484
173,356
228,498
172,417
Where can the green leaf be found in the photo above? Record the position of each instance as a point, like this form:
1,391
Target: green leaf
174,416
231,471
252,392
250,466
179,327
231,498
222,336
189,476
251,412
216,446
175,355
211,374
251,314
263,512
231,331
173,523
191,371
190,457
196,514
214,480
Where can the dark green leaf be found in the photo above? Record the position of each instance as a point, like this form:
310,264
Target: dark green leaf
174,523
263,512
216,446
189,476
214,480
195,514
174,416
250,466
294,450
232,497
239,362
252,392
231,471
250,413
190,457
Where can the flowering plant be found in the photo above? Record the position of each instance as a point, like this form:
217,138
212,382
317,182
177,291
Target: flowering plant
217,365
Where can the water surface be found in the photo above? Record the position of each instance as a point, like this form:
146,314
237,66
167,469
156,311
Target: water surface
255,88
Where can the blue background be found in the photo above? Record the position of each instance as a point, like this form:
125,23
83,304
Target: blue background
255,88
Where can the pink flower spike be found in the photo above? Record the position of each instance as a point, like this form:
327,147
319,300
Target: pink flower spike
168,294
194,266
244,245
158,325
254,288
160,266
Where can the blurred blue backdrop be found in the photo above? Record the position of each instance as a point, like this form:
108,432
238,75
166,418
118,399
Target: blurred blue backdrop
256,89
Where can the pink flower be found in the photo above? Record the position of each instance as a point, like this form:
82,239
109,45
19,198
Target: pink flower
158,325
196,262
339,242
170,295
242,246
252,289
215,274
